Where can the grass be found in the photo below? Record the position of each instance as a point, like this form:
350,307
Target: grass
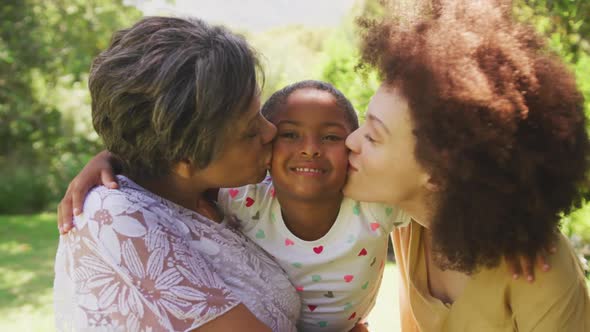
27,252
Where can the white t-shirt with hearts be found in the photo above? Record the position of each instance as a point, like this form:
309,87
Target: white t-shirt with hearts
338,275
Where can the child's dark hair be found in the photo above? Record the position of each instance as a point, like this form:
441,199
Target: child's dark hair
279,99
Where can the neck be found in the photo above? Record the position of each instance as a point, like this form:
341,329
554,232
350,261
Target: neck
176,189
421,208
310,220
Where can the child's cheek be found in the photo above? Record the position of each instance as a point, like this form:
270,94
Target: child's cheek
278,155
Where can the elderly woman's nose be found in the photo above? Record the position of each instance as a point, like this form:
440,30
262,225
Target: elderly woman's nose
269,131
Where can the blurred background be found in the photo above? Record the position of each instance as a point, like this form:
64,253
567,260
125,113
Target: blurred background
46,136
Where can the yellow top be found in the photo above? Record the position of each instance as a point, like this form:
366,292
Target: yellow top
558,300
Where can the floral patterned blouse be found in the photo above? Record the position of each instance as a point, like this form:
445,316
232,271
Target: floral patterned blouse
138,262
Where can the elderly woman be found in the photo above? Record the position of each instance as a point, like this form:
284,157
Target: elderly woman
176,102
478,132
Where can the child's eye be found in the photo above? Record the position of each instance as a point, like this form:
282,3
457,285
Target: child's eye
369,138
288,134
332,138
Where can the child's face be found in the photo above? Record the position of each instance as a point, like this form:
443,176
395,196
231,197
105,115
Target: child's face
310,159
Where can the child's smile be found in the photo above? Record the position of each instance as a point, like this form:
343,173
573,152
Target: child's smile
308,170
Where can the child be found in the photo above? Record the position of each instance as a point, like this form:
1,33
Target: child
332,248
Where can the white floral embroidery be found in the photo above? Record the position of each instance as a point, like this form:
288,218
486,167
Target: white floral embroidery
140,263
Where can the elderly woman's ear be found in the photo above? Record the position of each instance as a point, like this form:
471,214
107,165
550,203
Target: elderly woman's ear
184,168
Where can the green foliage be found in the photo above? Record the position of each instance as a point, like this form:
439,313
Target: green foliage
295,53
582,71
358,87
564,22
566,26
46,48
576,226
341,61
289,54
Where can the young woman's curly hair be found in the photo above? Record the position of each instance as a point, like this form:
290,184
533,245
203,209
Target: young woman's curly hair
498,121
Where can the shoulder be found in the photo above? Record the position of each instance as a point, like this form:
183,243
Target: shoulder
565,269
558,296
388,216
103,205
547,287
564,279
251,197
257,190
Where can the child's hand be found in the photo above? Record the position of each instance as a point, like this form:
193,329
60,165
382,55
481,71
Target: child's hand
99,170
526,264
360,327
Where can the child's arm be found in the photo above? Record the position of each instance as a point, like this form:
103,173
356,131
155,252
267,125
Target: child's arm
558,300
523,264
360,327
99,170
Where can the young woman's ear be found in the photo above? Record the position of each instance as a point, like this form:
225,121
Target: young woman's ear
433,185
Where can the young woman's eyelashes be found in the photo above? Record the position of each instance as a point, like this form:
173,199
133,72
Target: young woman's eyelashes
369,138
372,135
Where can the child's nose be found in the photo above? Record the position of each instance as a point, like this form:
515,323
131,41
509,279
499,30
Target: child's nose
311,148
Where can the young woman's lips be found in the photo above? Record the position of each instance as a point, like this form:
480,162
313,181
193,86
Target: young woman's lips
352,168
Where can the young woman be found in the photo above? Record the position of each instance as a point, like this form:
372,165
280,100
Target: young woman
478,132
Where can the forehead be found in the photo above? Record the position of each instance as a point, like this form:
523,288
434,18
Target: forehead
251,113
312,107
311,96
390,106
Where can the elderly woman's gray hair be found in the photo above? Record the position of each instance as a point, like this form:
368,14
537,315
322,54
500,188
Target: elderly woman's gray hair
166,88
